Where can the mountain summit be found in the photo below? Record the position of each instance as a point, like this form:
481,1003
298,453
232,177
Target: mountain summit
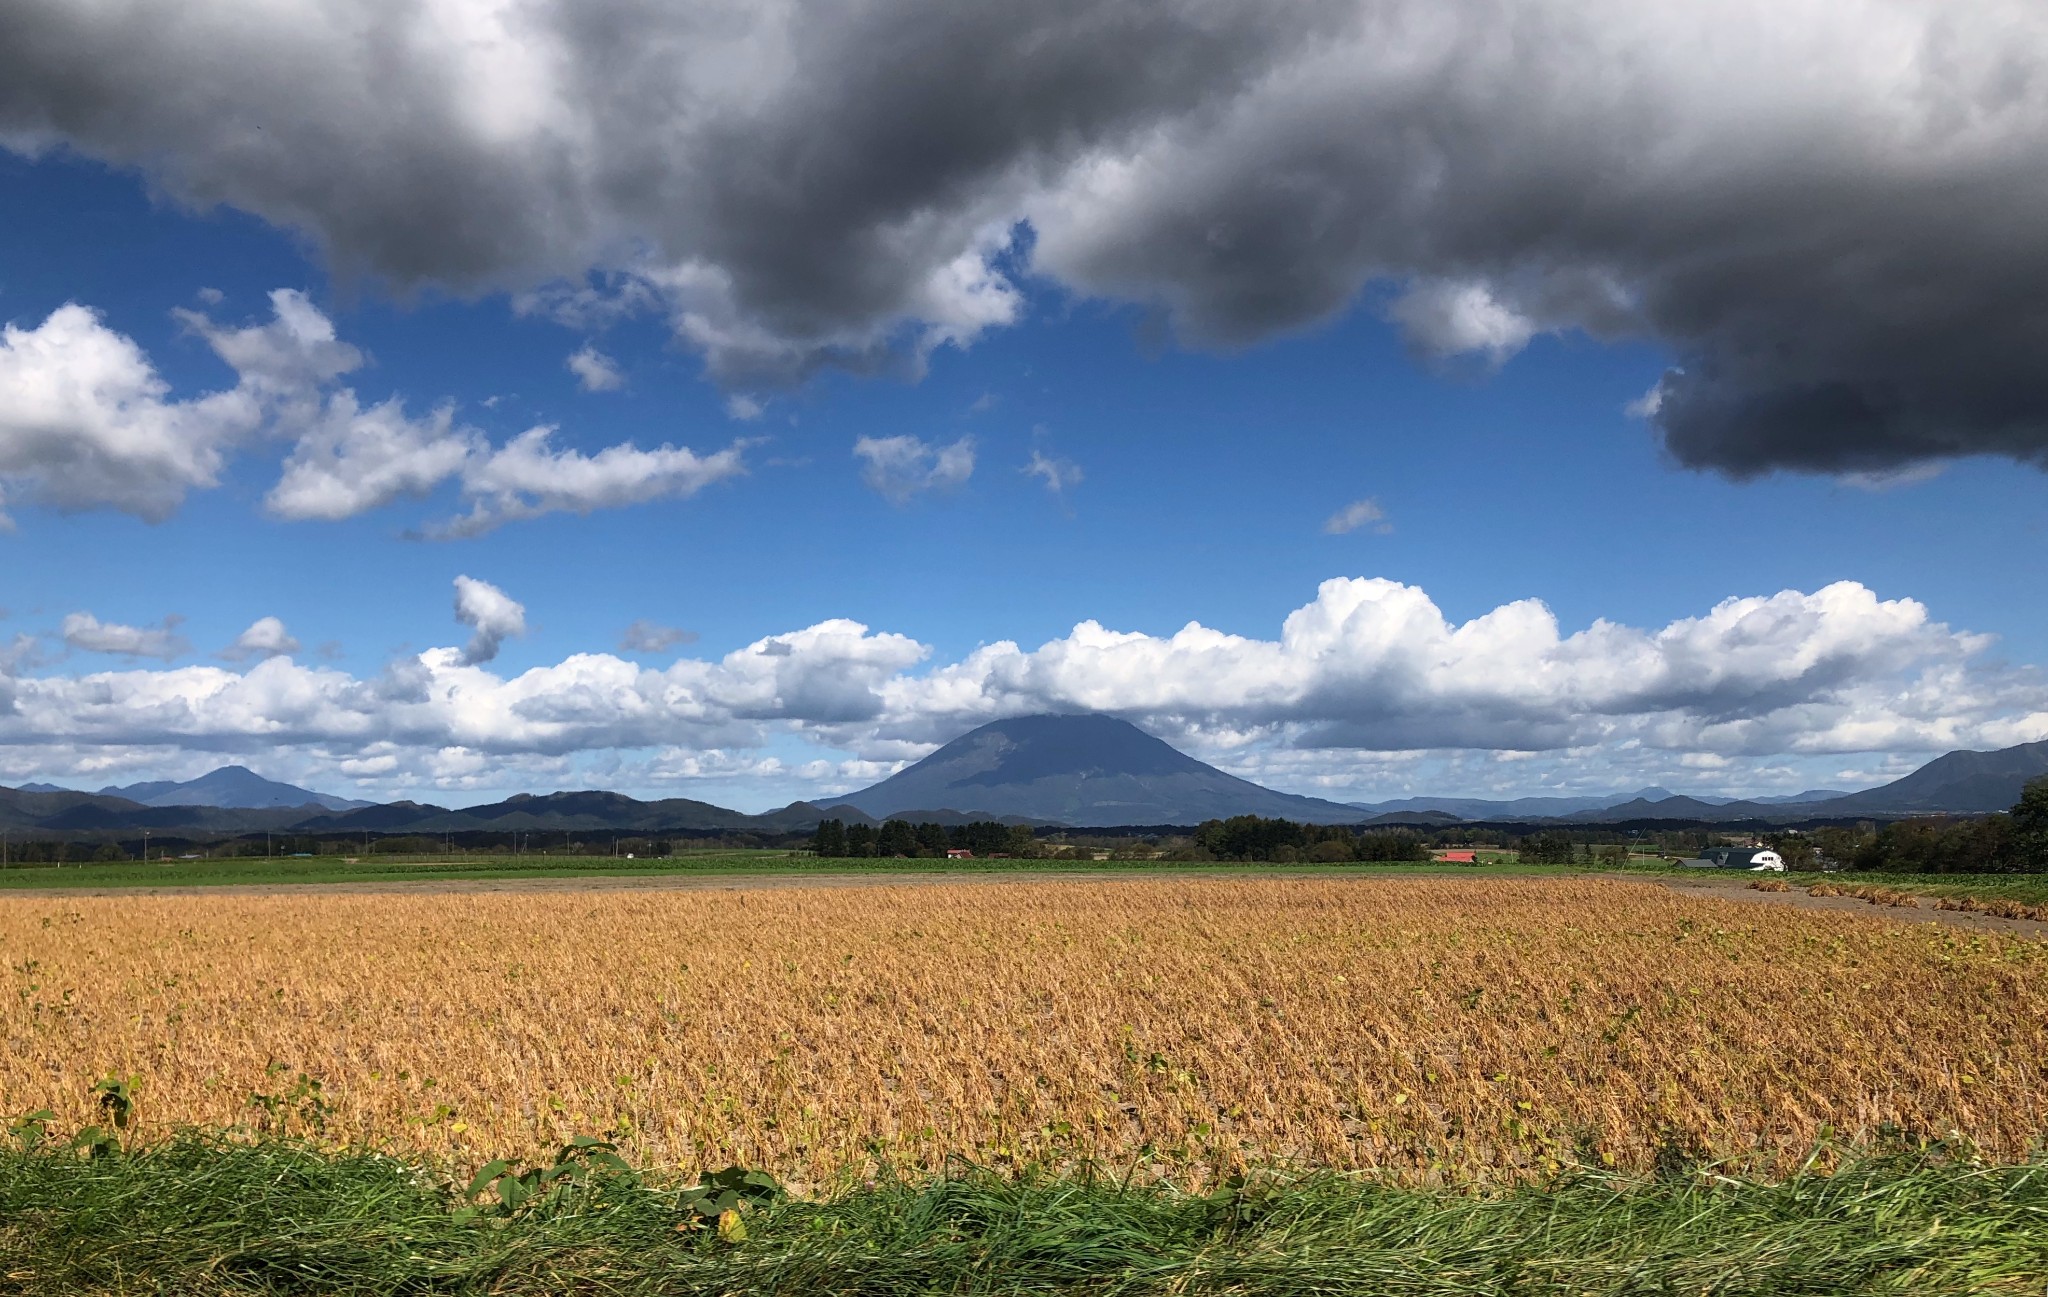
1079,770
235,787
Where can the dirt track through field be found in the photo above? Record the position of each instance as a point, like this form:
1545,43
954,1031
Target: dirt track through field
1722,888
1739,890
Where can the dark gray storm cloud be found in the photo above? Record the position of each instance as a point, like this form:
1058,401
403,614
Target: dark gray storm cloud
1832,213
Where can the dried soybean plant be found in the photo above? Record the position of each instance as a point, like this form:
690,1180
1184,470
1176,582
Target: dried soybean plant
1429,1028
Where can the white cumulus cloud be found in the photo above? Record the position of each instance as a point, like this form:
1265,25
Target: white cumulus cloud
1452,318
528,477
494,615
266,637
902,467
1059,475
86,422
1365,683
352,460
82,630
596,371
286,358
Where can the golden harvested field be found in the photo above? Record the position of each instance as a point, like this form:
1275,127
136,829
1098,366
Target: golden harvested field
1431,1027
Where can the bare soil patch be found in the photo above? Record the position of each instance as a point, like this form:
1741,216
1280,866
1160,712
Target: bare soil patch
1736,888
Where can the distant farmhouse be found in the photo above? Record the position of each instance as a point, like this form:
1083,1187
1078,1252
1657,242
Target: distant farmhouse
1751,858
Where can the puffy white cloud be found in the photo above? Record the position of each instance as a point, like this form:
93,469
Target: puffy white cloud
1359,513
351,460
84,631
266,637
1451,318
596,371
86,421
1059,475
901,467
527,477
287,358
1363,691
493,614
1375,665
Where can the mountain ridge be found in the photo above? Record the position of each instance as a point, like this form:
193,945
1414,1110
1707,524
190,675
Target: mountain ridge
1088,778
229,788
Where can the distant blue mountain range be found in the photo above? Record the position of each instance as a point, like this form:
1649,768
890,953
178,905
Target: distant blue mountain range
1527,808
235,787
1081,771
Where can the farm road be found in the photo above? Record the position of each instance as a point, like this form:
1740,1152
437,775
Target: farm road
1737,889
1719,888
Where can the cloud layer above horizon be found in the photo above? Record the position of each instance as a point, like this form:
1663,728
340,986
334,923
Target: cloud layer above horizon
1368,670
1829,212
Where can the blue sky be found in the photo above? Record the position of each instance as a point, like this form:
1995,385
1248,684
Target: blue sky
1200,461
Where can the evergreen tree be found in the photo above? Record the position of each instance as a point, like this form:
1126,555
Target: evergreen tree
2028,841
1248,837
860,839
1551,848
830,839
897,839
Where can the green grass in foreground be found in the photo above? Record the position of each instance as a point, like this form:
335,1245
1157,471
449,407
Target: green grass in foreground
199,1216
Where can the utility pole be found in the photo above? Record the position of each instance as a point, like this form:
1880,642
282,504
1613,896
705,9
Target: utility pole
145,846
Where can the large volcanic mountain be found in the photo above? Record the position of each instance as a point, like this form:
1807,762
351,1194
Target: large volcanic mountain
1083,771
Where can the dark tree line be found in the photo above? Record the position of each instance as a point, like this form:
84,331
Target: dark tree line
837,839
33,852
1558,848
1253,837
2009,842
